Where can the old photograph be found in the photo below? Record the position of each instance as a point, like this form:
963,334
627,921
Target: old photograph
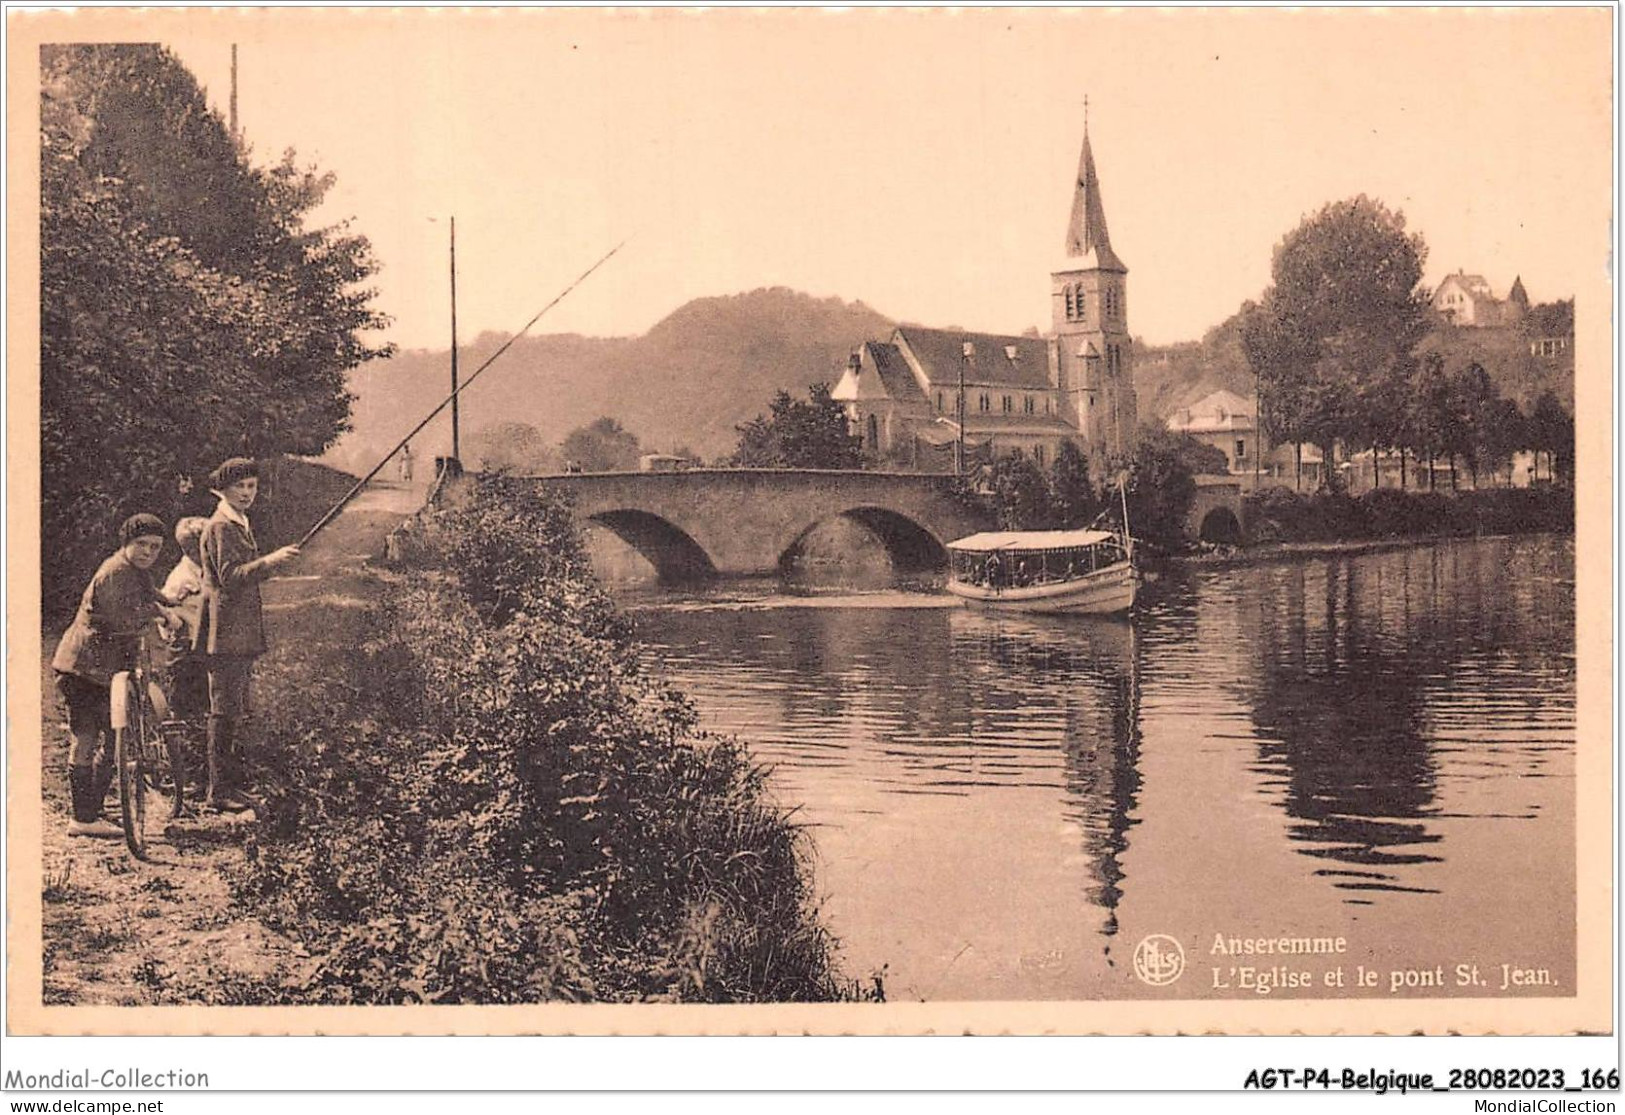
885,521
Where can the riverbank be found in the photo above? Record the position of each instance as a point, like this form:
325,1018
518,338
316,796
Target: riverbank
120,932
468,792
503,807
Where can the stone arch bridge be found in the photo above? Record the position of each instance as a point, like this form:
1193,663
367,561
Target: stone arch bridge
1215,512
739,522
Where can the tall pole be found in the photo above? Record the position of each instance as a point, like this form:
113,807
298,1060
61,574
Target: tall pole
456,455
234,92
959,437
1258,428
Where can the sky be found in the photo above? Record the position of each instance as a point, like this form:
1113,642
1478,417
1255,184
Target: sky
919,161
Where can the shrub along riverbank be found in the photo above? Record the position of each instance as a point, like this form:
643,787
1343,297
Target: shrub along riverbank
1282,515
496,803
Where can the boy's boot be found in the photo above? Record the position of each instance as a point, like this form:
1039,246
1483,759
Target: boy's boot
101,781
239,768
221,796
87,820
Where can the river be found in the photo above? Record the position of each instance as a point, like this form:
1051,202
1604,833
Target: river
1367,756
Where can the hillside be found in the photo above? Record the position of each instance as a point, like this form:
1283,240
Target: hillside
707,367
1168,377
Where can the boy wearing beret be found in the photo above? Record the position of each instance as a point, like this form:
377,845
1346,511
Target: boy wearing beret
103,640
231,628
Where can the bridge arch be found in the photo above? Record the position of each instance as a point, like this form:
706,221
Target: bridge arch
740,522
911,546
677,558
1220,526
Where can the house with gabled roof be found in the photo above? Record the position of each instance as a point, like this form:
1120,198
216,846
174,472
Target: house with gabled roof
1463,299
983,394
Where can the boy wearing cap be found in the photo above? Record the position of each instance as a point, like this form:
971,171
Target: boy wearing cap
102,641
231,628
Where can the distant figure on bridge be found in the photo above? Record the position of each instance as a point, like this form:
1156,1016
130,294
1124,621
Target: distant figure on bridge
406,463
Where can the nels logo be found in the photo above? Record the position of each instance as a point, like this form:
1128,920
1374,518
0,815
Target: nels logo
1159,960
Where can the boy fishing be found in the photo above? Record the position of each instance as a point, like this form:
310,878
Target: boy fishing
231,628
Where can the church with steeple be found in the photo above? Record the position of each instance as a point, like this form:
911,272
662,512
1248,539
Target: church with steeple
937,400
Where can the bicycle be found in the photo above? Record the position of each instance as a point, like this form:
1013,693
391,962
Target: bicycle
147,750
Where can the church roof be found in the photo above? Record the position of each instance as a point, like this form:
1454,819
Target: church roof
995,361
894,372
1088,245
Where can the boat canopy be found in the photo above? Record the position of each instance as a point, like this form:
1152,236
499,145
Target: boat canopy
1030,540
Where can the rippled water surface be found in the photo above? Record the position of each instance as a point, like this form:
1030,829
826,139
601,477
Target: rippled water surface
1378,747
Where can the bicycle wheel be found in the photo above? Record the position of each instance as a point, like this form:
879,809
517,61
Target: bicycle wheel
145,766
132,797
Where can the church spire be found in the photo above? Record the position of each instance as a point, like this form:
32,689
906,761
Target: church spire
1086,234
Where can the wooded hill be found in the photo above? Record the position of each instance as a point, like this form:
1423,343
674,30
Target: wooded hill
709,366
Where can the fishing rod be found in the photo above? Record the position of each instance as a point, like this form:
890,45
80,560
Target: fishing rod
333,511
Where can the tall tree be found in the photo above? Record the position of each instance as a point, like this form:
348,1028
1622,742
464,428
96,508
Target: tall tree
1431,421
188,313
1552,432
799,434
1505,433
1074,502
601,446
1473,401
516,447
1160,487
1021,493
1337,325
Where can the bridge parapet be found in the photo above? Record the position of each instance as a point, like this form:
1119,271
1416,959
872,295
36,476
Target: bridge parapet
741,522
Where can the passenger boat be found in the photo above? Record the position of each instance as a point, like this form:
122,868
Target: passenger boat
1078,571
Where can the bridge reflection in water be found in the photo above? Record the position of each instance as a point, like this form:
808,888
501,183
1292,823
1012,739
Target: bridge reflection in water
1379,746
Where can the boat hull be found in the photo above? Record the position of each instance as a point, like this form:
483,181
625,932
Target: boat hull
1105,592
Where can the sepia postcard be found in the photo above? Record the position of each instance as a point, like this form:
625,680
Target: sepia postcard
660,521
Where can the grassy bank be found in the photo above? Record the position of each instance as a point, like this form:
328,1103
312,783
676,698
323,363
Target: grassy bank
492,802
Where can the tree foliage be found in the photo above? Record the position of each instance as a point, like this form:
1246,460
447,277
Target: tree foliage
1074,502
797,434
516,447
601,446
1160,486
188,313
1551,430
505,806
1020,492
1332,336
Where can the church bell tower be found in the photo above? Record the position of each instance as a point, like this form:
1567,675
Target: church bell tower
1094,355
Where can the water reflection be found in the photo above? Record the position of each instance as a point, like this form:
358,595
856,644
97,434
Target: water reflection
1089,668
1385,737
1363,662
